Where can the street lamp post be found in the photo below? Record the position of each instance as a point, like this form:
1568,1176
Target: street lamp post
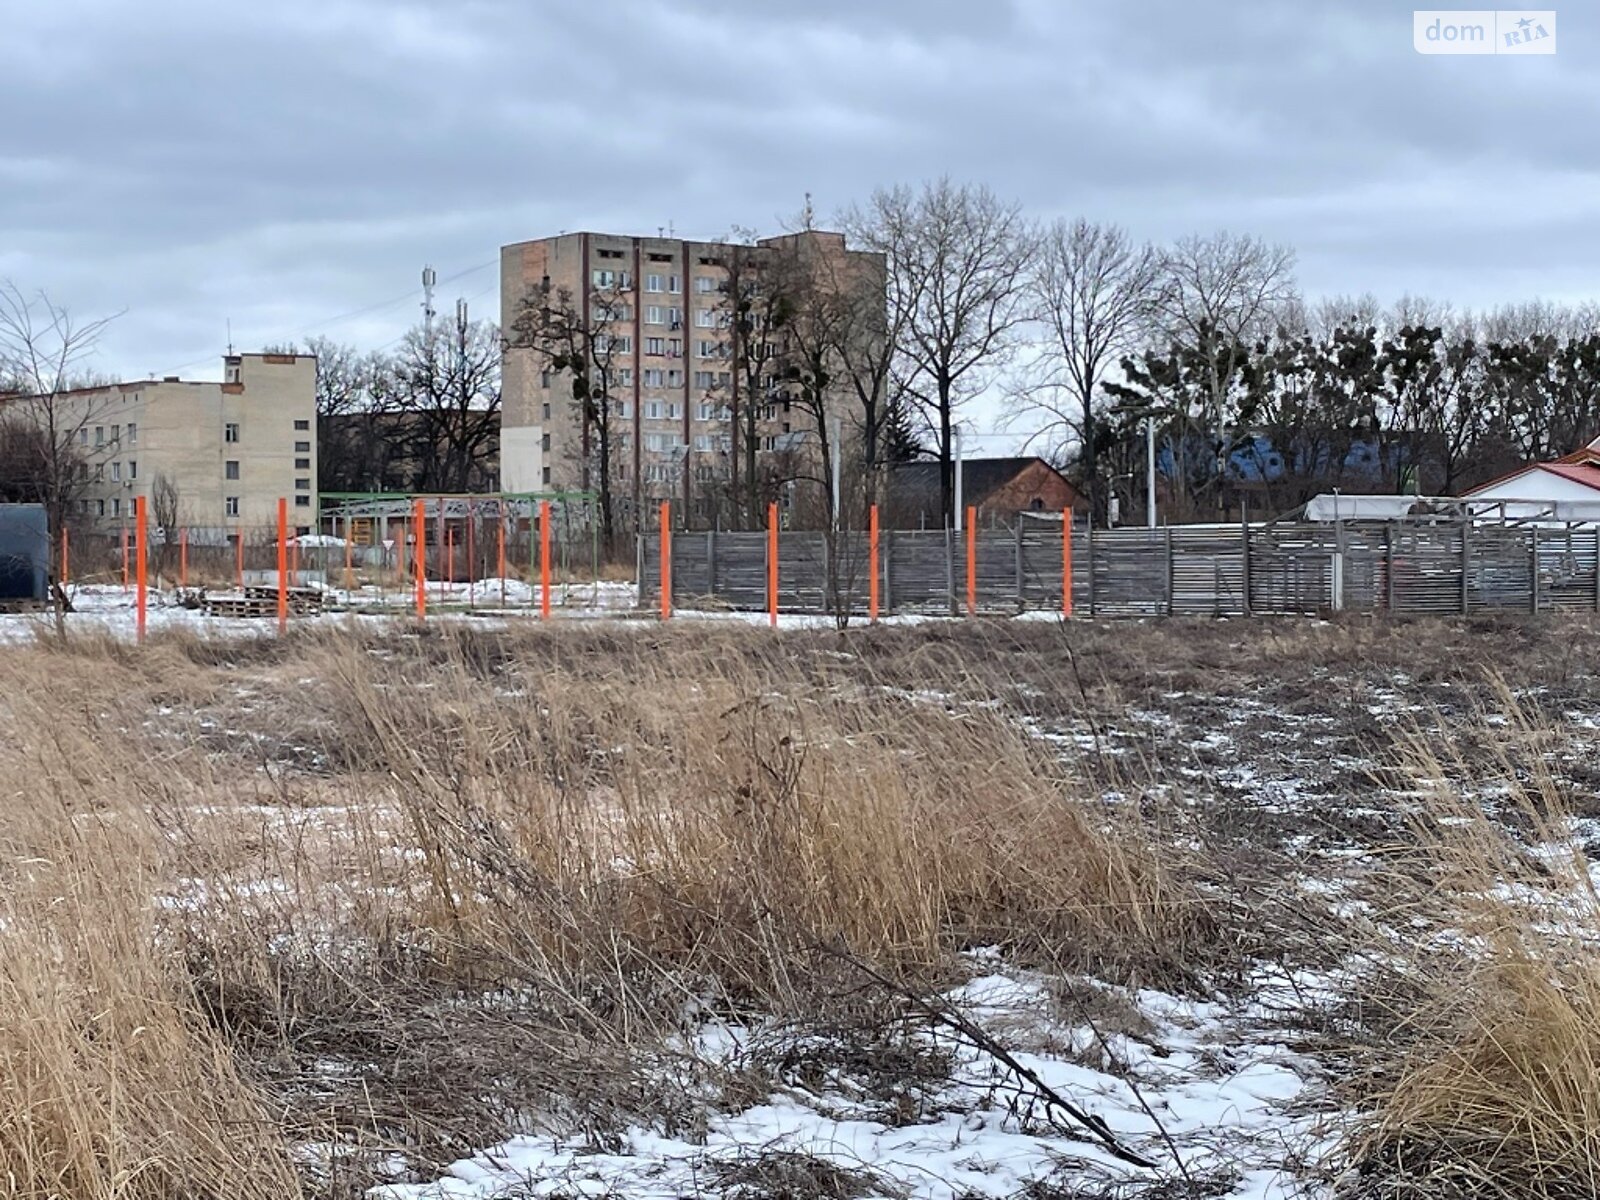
1149,413
1150,471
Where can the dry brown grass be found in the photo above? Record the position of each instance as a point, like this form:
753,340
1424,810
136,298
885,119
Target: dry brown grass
385,859
1490,1085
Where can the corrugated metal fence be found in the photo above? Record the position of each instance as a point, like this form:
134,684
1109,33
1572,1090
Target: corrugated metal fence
1200,571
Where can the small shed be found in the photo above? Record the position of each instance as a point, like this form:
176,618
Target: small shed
24,554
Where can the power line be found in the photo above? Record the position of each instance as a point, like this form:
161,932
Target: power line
329,322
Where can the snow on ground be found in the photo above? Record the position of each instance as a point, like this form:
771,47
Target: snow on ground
111,608
1200,1092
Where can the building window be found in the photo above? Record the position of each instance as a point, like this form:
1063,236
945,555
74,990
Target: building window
654,314
544,443
704,285
116,433
624,376
302,464
706,412
231,373
674,285
133,434
230,433
100,508
546,477
703,442
116,507
230,469
230,506
297,425
675,378
705,318
652,283
654,377
705,381
544,379
302,447
545,413
99,435
675,318
655,345
603,253
116,472
654,410
674,411
83,436
302,501
604,279
674,347
623,409
133,468
302,485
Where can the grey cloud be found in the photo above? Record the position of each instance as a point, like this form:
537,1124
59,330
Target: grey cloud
281,164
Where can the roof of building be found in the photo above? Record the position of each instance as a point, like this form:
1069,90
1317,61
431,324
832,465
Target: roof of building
980,477
1584,471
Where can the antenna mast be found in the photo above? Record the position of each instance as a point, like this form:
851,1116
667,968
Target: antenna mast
429,278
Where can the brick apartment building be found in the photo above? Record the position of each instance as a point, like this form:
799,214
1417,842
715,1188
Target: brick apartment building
676,390
230,449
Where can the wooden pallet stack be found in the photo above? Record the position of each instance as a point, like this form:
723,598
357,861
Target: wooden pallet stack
261,601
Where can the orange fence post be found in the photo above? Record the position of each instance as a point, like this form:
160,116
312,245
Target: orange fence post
124,558
872,563
772,565
283,564
500,558
1066,562
666,559
66,570
238,558
183,557
139,544
972,561
544,559
419,530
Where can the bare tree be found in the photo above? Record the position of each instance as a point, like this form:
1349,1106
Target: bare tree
1095,294
1221,294
746,311
956,259
582,344
449,395
42,349
165,516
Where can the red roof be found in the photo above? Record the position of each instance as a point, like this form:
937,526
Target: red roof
1586,473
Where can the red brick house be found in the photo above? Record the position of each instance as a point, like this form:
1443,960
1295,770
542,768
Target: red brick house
999,488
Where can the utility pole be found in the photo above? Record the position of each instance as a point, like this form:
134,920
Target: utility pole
838,434
1150,472
957,447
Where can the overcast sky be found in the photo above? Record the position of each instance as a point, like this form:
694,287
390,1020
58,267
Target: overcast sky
283,164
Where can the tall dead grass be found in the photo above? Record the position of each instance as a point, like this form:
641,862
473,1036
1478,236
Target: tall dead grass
331,877
113,1085
1490,1085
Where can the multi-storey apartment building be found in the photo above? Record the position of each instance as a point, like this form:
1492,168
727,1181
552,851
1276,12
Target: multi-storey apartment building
228,450
677,381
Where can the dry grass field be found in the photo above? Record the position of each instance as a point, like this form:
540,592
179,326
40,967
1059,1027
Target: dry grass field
1168,909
